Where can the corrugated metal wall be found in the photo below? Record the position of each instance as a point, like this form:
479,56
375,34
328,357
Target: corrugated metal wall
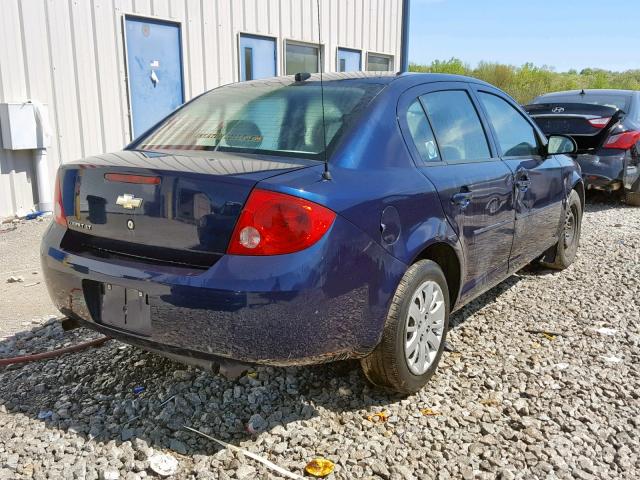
69,54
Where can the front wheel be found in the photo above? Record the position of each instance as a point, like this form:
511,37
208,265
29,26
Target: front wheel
414,333
567,245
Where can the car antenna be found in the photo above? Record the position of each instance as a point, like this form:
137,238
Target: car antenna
326,175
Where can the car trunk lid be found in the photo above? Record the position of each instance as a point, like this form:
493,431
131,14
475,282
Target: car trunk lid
161,207
586,123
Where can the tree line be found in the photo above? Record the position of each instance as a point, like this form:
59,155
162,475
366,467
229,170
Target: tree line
526,82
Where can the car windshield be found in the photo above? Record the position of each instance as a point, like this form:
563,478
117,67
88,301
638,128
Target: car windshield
279,117
621,102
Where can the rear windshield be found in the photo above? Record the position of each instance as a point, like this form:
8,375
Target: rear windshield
621,102
279,117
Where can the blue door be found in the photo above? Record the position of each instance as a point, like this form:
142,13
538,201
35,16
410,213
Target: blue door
257,57
450,146
539,189
154,63
349,60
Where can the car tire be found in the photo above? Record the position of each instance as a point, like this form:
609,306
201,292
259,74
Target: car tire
569,240
632,198
411,321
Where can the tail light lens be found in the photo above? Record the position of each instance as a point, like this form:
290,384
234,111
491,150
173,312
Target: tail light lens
274,223
623,141
58,207
600,122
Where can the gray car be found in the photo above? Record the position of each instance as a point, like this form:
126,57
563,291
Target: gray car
606,127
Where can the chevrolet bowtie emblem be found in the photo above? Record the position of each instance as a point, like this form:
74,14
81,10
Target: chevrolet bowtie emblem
128,201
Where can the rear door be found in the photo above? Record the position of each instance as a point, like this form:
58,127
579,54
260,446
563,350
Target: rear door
539,191
452,149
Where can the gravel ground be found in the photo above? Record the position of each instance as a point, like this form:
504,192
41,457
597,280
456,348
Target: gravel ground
543,382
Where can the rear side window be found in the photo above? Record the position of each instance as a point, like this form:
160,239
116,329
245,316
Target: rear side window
456,126
421,133
516,136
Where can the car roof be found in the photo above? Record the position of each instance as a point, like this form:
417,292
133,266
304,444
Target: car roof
409,78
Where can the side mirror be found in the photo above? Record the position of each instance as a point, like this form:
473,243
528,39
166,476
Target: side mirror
561,144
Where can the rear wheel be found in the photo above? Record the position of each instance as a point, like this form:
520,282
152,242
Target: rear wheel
414,333
567,245
632,198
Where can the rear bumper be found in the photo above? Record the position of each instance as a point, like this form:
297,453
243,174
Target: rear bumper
602,171
327,302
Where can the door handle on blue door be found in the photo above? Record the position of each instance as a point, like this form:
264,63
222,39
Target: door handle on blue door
462,199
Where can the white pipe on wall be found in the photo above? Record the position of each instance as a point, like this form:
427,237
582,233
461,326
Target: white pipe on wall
45,197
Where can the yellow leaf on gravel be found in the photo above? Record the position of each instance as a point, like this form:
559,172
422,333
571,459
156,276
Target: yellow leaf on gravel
253,375
428,412
548,336
490,402
382,416
319,467
535,345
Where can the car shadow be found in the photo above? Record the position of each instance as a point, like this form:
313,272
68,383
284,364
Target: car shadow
96,393
460,316
597,201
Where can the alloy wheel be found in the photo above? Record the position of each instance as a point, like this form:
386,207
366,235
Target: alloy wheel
570,227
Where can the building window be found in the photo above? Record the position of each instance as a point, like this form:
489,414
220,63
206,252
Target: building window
257,57
349,60
248,63
301,58
379,63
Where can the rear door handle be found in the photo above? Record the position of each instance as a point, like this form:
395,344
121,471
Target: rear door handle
462,199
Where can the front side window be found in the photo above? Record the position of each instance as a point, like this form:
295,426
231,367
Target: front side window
379,63
515,135
302,58
457,126
274,117
421,133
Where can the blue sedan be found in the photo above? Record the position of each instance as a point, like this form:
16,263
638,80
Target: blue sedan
288,221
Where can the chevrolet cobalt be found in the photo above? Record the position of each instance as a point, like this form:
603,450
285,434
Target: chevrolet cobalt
300,220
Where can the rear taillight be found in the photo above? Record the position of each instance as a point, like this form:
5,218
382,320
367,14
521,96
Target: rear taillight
600,122
58,207
274,223
623,141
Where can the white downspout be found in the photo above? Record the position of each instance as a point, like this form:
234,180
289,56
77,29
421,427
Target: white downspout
45,196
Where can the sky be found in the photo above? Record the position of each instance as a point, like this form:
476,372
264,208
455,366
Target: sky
564,34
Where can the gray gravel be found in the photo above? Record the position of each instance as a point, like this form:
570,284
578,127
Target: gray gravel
509,402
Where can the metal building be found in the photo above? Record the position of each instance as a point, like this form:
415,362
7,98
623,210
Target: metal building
82,77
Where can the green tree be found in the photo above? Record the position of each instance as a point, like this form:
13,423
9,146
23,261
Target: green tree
527,81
